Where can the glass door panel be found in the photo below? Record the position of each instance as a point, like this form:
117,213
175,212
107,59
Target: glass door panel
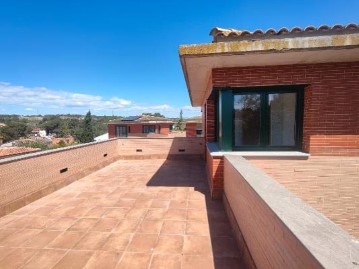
282,118
247,119
121,131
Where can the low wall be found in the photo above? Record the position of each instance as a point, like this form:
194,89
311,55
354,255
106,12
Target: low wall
26,178
177,147
280,230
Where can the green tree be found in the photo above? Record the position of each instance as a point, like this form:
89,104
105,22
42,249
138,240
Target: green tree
86,134
180,123
14,130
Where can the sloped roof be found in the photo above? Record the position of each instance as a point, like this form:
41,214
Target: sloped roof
237,48
225,35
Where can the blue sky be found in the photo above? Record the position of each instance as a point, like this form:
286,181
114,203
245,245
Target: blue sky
121,57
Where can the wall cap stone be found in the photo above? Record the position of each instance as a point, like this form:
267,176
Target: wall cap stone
332,246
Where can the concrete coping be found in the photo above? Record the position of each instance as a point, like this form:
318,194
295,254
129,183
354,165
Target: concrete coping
332,246
51,151
216,152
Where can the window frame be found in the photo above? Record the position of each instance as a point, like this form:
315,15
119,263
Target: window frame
148,126
264,92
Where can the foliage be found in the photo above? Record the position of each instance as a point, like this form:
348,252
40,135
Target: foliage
86,135
180,125
154,115
14,130
32,144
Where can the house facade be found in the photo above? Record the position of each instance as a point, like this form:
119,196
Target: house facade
285,91
139,126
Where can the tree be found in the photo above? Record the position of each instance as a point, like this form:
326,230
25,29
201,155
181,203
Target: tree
180,124
14,130
86,135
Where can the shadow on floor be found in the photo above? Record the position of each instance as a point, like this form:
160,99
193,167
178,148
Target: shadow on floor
192,173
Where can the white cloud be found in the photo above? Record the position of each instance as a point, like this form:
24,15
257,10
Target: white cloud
40,98
43,97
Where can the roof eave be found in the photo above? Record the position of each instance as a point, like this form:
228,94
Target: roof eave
206,55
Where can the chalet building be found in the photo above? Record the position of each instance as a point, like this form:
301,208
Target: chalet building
287,91
140,126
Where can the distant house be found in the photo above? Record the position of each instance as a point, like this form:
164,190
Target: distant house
194,127
38,132
140,126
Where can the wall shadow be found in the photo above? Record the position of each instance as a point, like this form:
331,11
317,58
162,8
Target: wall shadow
190,171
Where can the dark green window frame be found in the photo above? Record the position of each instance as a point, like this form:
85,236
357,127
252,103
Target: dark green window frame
149,129
225,122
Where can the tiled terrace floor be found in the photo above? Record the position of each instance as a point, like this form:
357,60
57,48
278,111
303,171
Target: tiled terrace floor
130,214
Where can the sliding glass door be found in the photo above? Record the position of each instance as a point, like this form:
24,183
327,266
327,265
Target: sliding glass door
267,118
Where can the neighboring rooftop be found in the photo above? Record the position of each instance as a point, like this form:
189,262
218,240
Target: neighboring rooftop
140,119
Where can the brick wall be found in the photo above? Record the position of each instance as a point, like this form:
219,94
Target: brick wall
191,129
328,184
27,178
331,101
279,229
180,147
215,175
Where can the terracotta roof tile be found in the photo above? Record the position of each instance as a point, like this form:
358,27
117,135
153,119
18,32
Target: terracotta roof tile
225,35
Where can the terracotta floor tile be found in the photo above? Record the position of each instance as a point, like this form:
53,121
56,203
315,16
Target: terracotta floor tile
201,261
105,260
66,240
125,203
96,212
117,242
173,227
176,214
197,228
74,259
134,261
117,212
197,245
6,232
169,244
150,226
17,258
42,211
197,215
61,224
45,258
41,239
19,237
4,251
156,213
105,225
92,241
160,203
178,204
126,226
143,203
165,261
143,243
84,224
136,213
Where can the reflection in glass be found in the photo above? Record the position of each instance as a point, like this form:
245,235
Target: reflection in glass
247,119
282,119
